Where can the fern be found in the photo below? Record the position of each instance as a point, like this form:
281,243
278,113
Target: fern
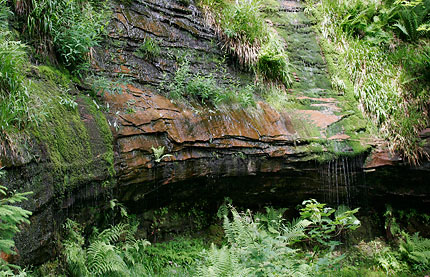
103,258
294,231
222,263
112,234
106,254
261,244
416,251
10,218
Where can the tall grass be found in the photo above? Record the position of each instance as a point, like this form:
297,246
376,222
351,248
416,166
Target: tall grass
388,75
70,29
246,36
13,93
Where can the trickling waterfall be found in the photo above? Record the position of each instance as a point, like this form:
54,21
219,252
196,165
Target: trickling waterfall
343,181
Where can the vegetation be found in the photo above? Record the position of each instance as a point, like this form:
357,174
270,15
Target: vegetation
246,35
69,29
11,217
260,244
14,108
159,153
205,89
149,49
382,47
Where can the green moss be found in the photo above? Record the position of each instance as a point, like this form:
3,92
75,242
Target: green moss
105,132
62,131
74,152
55,75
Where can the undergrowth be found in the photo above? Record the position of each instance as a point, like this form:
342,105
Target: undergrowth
206,89
66,29
383,49
14,109
255,244
245,34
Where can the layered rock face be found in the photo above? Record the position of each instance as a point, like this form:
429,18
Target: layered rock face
205,140
65,159
266,155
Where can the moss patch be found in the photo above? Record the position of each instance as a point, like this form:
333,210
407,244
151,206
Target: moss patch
76,138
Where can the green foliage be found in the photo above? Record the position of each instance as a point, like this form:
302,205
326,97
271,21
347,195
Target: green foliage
178,255
327,223
413,19
416,251
149,49
14,109
205,89
389,77
254,250
4,15
11,217
242,20
261,245
222,262
71,28
246,35
159,153
112,252
273,62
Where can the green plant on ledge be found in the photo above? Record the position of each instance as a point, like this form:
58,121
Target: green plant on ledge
149,49
159,153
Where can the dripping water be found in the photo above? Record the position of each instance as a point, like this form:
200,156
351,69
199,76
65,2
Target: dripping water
342,181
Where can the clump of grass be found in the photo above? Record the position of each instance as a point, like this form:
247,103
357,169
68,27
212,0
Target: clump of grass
67,29
149,49
273,62
13,94
246,36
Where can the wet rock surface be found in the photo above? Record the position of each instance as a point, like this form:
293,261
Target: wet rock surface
258,156
203,140
208,143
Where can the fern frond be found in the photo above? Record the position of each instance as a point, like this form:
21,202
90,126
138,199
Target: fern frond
103,258
222,263
112,234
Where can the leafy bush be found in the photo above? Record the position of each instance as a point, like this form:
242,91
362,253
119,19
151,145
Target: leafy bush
416,251
327,223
